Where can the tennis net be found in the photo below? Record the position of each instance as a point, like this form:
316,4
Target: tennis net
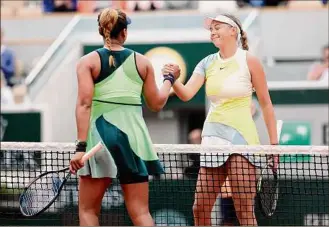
302,175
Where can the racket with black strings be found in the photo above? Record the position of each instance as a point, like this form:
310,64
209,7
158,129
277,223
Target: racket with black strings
43,190
268,183
268,191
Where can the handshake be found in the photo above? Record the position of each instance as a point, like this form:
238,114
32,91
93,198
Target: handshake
170,72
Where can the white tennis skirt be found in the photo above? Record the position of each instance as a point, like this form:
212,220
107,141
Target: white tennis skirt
218,159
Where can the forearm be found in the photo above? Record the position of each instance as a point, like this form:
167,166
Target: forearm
181,91
269,118
163,94
82,120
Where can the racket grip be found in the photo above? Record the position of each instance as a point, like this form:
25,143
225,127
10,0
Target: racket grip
279,125
91,152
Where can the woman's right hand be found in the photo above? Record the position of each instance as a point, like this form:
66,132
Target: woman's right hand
75,163
172,69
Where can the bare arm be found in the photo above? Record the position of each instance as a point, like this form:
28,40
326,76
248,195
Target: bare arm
188,91
260,84
185,92
85,94
155,98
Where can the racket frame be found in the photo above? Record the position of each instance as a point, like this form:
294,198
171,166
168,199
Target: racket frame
259,187
53,199
279,125
86,156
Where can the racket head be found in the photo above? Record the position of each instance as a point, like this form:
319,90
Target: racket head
54,182
42,192
268,192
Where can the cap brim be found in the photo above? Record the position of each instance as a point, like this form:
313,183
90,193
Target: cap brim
208,21
222,19
128,20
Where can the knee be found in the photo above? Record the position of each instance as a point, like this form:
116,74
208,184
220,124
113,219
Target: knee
88,211
198,207
137,211
243,206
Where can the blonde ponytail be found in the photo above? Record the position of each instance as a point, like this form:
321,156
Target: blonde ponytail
107,19
110,24
243,34
244,40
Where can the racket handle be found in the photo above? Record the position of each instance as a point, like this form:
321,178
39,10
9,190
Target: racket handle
279,124
91,152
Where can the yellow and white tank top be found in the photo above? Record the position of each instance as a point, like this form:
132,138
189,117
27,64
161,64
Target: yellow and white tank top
229,90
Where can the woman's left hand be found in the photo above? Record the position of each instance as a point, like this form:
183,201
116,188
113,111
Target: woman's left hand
171,69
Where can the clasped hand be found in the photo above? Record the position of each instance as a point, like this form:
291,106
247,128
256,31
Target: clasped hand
172,69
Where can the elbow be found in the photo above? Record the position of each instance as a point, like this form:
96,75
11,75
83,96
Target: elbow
265,101
84,104
266,105
157,107
185,99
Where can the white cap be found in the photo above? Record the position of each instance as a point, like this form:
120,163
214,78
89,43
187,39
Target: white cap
223,19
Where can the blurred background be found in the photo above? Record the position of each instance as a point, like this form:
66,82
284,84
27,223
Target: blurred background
41,42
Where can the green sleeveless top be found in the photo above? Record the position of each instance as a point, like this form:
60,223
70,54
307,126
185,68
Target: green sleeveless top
119,83
117,120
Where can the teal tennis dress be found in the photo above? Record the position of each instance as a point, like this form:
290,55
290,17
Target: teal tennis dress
117,120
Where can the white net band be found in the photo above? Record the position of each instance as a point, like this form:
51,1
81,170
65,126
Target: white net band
184,148
303,175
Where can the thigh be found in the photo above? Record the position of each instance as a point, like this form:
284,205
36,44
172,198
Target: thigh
242,176
210,182
225,190
91,192
136,197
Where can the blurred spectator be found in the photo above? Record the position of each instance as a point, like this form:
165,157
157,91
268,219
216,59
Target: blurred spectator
306,4
181,5
60,5
257,3
6,93
274,2
20,94
319,71
144,5
7,62
88,6
95,6
99,5
261,3
217,6
194,137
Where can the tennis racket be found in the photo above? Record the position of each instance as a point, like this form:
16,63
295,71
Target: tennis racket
268,191
43,191
268,183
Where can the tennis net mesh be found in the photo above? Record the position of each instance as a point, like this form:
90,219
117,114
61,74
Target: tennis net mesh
302,174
